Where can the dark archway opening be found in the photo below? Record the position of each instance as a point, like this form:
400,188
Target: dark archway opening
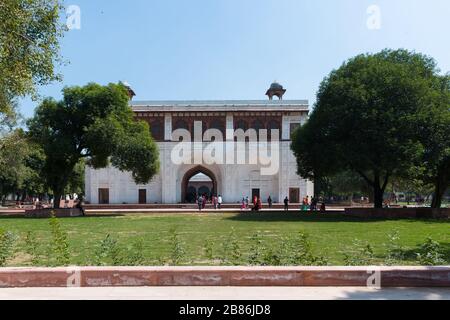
198,181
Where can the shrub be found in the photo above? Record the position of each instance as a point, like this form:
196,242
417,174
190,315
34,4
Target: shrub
395,251
136,253
361,254
177,248
208,249
256,255
108,252
59,248
430,253
298,252
231,250
7,240
32,248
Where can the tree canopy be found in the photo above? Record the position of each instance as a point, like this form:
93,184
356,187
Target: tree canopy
435,136
368,118
29,47
94,123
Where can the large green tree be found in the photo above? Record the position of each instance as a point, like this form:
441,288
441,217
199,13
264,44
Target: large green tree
94,123
13,151
365,119
29,47
435,135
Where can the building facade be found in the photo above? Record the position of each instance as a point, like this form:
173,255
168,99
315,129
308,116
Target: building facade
228,130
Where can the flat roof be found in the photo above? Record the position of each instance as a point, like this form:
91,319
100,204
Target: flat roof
220,105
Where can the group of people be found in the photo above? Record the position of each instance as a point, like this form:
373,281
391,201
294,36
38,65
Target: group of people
308,204
216,201
256,203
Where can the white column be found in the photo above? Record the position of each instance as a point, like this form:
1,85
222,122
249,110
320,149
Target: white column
286,124
230,127
168,127
228,169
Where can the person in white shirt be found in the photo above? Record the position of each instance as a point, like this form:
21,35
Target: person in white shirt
219,201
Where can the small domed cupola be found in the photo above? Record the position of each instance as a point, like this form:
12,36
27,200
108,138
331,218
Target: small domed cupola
131,93
276,90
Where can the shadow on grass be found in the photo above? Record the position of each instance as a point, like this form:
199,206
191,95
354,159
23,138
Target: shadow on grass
315,217
411,254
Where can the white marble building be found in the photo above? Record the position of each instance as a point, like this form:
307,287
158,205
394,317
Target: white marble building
231,180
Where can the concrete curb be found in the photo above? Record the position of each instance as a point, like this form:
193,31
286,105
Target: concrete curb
225,276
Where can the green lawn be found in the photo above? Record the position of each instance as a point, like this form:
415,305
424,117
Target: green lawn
330,236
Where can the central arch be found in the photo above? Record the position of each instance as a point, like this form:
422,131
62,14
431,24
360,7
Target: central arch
193,172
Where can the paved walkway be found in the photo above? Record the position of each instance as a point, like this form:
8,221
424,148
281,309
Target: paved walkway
225,293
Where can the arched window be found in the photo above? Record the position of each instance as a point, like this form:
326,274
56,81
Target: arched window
156,128
257,125
273,125
181,124
218,125
241,124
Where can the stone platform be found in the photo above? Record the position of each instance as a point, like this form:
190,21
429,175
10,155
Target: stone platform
226,276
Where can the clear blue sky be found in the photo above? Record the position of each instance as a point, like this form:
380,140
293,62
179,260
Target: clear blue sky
234,49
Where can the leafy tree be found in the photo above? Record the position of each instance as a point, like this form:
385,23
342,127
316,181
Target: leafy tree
13,152
29,47
435,135
21,165
365,119
94,123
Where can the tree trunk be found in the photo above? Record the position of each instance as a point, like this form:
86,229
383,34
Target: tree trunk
57,198
439,191
378,194
378,189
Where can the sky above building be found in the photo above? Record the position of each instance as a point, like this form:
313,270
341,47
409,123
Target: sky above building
234,49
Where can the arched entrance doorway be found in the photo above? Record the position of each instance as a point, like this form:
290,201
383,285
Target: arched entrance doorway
198,181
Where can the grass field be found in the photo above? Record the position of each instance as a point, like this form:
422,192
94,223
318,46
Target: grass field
330,236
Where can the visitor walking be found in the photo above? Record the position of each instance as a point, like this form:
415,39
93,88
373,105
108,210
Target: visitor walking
247,202
204,202
323,208
243,205
200,203
286,204
255,203
214,202
270,202
313,206
259,204
220,201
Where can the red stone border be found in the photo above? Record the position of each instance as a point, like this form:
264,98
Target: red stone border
225,276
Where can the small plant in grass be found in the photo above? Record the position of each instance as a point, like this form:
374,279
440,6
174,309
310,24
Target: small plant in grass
271,257
395,251
108,252
231,250
7,240
361,254
298,252
257,249
32,248
59,248
430,253
136,253
177,248
208,249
